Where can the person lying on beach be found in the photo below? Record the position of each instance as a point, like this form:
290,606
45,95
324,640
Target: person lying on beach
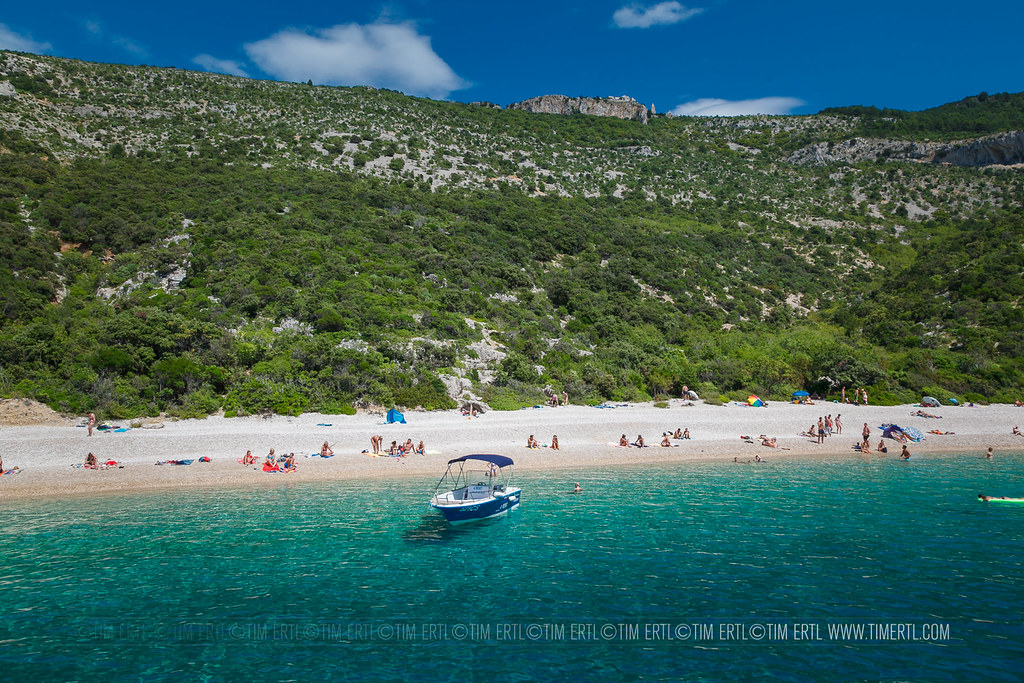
772,443
940,432
326,451
921,413
624,442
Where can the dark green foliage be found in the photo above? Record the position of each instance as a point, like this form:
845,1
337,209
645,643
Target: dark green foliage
982,114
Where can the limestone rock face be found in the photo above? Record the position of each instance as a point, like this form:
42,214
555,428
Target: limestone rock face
7,90
618,107
1004,149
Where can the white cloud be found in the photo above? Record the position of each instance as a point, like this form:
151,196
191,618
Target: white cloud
9,40
382,55
662,14
709,106
126,44
220,66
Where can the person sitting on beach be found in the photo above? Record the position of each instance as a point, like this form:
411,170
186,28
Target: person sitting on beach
623,442
665,441
532,442
686,433
1018,403
881,447
905,455
408,447
639,443
554,442
326,451
1017,432
289,463
421,449
865,447
394,448
90,461
271,458
248,458
678,434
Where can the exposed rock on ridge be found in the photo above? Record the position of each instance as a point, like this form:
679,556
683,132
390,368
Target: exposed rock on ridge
618,107
997,150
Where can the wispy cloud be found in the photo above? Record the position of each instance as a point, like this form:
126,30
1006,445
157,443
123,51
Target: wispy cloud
662,14
99,31
11,40
221,66
382,55
709,106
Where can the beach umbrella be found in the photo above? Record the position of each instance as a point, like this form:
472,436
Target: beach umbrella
754,401
801,393
930,402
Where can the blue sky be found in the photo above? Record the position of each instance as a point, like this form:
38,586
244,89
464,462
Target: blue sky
696,57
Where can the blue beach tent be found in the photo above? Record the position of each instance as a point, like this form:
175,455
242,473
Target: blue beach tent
395,416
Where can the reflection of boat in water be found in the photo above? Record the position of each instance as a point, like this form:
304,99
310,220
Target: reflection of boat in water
492,495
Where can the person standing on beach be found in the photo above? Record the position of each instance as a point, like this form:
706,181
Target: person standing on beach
843,395
92,422
866,432
839,424
828,425
821,430
864,393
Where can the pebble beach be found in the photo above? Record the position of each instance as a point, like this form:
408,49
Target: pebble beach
46,454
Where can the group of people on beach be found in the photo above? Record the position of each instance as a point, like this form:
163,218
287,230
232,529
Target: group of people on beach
858,396
532,442
555,398
396,449
273,462
827,426
666,439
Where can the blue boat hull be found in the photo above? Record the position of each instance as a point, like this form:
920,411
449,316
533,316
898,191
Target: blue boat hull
493,507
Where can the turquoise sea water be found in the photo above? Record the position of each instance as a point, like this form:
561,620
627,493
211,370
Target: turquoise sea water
687,571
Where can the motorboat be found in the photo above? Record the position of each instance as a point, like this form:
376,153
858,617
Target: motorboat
475,487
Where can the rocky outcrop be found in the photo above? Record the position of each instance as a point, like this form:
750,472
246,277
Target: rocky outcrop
618,107
1004,149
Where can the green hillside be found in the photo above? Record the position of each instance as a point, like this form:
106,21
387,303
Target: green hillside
184,243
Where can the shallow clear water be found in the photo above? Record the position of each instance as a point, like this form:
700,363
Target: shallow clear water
682,571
